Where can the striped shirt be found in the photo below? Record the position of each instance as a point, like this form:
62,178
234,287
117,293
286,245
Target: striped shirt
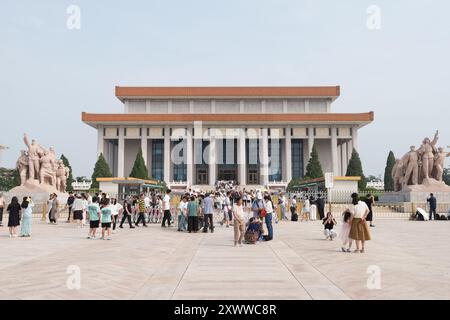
141,205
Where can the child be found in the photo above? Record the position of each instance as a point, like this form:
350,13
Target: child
94,217
345,231
106,220
329,224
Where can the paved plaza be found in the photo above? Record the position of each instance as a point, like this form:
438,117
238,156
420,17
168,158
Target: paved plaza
156,263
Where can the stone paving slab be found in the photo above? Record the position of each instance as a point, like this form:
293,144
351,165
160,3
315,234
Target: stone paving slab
156,263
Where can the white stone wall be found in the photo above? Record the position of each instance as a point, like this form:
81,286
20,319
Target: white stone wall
132,147
323,147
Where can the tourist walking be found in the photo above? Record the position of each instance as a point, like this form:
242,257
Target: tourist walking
239,222
182,214
293,208
320,202
166,208
2,205
13,210
329,222
141,210
127,213
70,201
208,211
432,202
116,209
192,209
85,206
94,217
268,206
106,219
345,231
306,211
359,230
78,207
370,201
313,209
282,203
27,217
49,208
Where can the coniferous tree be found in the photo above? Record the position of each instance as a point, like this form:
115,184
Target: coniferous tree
314,168
70,178
354,169
388,180
139,168
446,176
101,170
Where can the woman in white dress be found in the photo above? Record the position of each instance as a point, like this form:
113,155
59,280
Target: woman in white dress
313,209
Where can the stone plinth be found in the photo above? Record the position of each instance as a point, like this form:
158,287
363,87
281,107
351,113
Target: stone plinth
38,192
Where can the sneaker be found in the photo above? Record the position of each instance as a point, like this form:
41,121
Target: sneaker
88,237
121,227
348,250
343,249
132,227
108,238
10,236
145,225
373,226
14,235
102,238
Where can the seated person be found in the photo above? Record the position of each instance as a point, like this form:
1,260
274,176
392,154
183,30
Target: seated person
253,232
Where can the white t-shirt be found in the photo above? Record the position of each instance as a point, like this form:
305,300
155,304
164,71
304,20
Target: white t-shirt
360,209
78,205
294,203
307,204
166,204
116,208
268,206
182,207
238,211
147,202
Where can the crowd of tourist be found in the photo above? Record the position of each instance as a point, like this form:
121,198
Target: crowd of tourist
250,213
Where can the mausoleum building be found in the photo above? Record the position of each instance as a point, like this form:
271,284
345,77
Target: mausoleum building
194,136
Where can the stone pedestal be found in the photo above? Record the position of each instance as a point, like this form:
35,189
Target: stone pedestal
38,192
419,193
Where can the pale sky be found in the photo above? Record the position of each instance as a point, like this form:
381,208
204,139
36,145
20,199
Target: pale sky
50,74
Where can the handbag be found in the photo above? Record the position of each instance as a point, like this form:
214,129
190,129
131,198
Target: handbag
263,213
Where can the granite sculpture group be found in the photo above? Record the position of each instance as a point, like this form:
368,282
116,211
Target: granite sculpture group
39,168
422,167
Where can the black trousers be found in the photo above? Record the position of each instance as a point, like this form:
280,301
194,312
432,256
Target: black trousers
126,216
140,218
321,212
166,217
1,215
208,222
192,223
70,211
432,213
114,221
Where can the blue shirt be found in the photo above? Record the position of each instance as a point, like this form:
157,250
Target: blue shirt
208,205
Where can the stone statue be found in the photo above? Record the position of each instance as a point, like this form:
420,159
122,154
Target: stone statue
40,170
426,152
22,166
439,162
61,176
398,174
34,154
411,165
47,169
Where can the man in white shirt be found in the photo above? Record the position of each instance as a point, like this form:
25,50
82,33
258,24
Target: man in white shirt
283,207
166,208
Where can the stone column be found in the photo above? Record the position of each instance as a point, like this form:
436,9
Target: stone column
212,159
264,169
121,153
167,159
144,144
310,140
334,152
241,157
288,154
100,141
348,154
355,138
189,156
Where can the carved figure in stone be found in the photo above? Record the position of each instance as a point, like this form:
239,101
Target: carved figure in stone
411,165
61,177
439,162
47,168
34,153
426,152
398,174
22,166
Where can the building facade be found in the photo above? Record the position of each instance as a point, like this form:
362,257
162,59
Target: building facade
194,136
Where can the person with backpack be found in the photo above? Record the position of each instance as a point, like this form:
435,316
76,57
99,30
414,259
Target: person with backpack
293,207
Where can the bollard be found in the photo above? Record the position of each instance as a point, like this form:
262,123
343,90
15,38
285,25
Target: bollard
44,212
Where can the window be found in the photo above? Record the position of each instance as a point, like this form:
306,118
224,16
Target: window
275,160
297,158
158,159
180,169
